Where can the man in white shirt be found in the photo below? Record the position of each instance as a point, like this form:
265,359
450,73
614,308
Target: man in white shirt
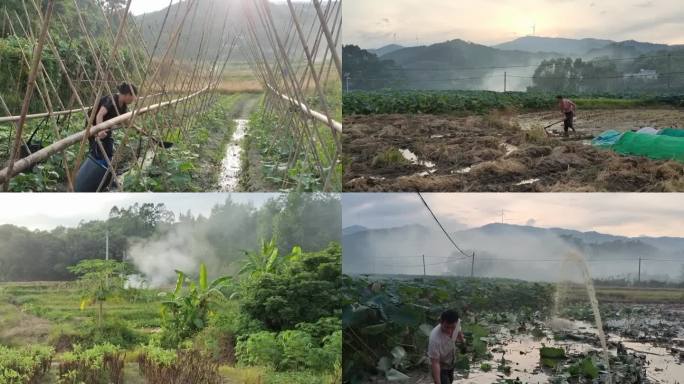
442,347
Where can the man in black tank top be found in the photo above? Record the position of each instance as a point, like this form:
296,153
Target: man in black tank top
94,174
109,107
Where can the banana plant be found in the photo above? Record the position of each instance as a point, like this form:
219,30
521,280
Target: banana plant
267,259
185,312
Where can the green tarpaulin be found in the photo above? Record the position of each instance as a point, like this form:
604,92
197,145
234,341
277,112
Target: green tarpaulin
675,132
659,147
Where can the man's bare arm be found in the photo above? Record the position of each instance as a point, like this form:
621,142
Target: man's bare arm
436,370
99,118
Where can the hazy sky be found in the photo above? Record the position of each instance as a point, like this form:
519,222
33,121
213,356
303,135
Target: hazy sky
617,214
49,210
372,24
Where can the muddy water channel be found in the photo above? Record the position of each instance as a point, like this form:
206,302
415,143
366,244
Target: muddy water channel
230,166
646,345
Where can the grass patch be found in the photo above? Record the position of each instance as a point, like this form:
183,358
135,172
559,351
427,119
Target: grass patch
391,157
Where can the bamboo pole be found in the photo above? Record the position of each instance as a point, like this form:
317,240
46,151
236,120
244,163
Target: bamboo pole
336,125
35,66
36,157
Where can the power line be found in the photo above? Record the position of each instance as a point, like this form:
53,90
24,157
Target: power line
442,227
526,66
455,260
623,76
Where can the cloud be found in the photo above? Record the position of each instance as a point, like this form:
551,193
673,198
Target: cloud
496,21
621,214
646,4
386,210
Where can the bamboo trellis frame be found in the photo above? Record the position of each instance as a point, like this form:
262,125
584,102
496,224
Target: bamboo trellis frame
283,78
288,84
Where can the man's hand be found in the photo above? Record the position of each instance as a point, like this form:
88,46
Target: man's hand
460,337
101,135
436,371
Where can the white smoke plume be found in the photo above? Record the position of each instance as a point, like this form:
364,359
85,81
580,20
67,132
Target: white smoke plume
182,248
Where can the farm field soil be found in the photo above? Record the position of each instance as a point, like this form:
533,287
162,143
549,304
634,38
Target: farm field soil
501,152
596,121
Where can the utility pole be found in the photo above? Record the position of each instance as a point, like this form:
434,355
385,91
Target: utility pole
347,76
669,69
472,266
505,78
107,245
424,273
639,274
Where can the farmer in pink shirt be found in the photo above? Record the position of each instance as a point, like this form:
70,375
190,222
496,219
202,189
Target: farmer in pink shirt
568,109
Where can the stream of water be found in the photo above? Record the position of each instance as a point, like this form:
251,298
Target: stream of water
578,259
230,166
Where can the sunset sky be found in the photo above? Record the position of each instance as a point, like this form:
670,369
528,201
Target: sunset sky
625,214
372,24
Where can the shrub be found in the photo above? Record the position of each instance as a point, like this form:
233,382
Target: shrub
298,350
101,364
307,290
261,348
164,366
26,365
321,328
116,332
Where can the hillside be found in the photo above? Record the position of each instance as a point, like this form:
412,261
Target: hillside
459,53
453,64
564,46
504,250
626,49
214,13
386,49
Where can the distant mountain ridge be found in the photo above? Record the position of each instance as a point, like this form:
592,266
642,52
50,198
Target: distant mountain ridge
396,245
386,49
459,64
564,46
460,53
214,13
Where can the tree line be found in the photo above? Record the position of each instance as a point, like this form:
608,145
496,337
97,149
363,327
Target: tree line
230,230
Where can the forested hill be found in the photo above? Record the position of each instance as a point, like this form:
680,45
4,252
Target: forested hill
160,236
67,33
66,14
214,13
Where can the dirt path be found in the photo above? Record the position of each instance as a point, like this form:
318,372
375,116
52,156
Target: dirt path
501,153
245,105
21,328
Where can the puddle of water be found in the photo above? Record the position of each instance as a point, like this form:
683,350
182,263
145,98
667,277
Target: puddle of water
528,181
462,171
426,173
230,166
410,156
662,367
521,352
